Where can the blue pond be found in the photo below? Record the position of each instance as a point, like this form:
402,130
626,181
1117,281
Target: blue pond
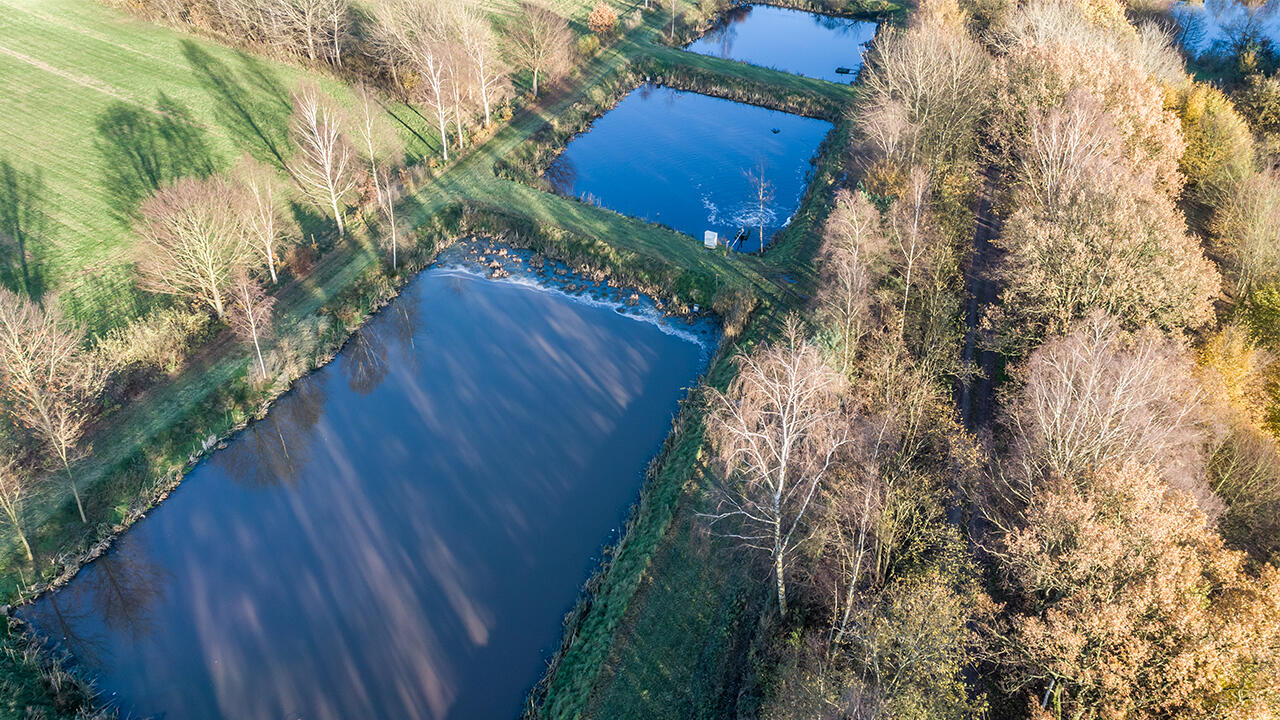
402,534
795,41
682,159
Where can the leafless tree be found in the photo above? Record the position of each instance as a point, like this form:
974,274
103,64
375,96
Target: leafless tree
17,484
418,32
539,41
457,71
387,204
251,313
777,431
193,240
910,231
854,248
933,70
320,26
326,162
266,229
378,140
1068,146
761,196
49,383
480,47
1246,230
1101,397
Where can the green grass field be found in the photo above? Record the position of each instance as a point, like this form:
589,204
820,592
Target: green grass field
100,108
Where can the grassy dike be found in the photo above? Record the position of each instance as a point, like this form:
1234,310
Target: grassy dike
142,450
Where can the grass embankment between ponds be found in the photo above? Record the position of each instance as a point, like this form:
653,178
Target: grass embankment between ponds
141,450
661,630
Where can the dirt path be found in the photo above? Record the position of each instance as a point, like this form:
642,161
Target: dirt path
976,394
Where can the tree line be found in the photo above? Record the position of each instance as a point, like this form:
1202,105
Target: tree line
448,56
1104,546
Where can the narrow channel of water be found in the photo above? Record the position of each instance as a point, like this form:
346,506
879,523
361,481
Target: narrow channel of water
401,536
682,159
795,41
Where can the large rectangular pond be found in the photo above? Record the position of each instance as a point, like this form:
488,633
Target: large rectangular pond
795,41
401,536
682,159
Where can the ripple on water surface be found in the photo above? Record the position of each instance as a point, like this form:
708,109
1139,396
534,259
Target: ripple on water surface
402,534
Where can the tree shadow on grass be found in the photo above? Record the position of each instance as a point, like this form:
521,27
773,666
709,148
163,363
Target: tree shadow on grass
144,150
23,225
253,105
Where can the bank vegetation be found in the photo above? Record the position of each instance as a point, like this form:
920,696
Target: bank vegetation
1099,541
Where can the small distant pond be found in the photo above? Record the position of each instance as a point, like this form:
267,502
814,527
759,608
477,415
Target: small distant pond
1209,26
796,41
682,159
403,533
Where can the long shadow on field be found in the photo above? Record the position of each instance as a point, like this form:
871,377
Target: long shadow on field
144,150
23,224
252,105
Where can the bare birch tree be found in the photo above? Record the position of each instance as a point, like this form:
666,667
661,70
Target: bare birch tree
853,251
266,229
539,40
1102,397
319,27
1246,230
911,223
934,72
417,31
777,431
251,313
326,162
193,240
761,196
379,143
49,383
387,204
480,47
17,485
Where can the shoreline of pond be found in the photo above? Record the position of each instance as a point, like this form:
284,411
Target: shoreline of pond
552,274
482,261
556,274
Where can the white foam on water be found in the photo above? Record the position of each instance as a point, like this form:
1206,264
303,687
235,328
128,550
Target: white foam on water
644,312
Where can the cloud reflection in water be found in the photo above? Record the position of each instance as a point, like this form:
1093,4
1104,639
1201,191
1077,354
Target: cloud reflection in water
403,533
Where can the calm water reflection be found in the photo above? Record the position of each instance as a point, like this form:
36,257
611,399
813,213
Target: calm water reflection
402,535
1215,25
798,42
681,159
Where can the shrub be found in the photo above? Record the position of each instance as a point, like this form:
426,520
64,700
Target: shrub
603,19
159,340
1260,104
588,46
1219,143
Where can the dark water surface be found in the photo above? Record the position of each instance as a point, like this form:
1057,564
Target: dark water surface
796,41
681,159
403,533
